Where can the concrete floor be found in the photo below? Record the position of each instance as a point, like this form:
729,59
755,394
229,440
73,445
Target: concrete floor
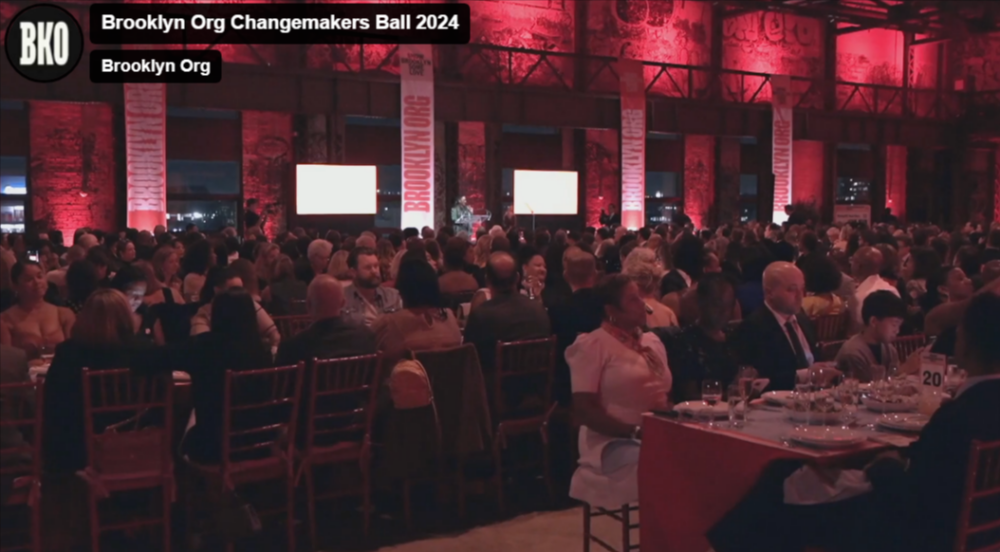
559,531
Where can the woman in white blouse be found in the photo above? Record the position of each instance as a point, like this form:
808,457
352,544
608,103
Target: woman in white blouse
618,373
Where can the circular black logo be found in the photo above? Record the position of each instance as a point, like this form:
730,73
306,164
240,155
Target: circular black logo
44,43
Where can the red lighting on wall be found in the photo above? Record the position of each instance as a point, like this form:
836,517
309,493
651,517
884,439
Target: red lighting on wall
72,167
472,164
602,183
807,172
699,178
267,163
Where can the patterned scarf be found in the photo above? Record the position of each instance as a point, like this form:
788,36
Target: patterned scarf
633,340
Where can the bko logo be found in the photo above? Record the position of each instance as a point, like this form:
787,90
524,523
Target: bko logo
44,43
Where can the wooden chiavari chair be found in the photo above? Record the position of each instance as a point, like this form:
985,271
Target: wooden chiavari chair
128,424
260,414
982,484
831,327
341,406
907,345
290,326
21,413
521,366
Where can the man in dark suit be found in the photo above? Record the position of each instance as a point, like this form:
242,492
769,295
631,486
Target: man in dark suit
687,256
582,313
910,508
507,316
330,336
779,339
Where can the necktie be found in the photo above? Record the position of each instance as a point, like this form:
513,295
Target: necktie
800,354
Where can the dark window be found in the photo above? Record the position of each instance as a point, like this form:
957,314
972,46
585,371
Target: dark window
208,214
663,197
853,190
13,175
390,188
203,177
748,197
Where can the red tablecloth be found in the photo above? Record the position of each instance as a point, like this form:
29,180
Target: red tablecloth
689,477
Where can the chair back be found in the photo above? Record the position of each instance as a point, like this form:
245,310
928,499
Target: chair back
831,327
298,307
524,368
828,351
907,345
454,301
290,326
982,487
342,395
260,411
128,421
21,429
456,377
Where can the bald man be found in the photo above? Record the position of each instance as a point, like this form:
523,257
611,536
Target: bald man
866,265
330,336
507,316
779,339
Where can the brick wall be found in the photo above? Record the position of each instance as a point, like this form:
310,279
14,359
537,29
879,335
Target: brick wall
895,180
72,167
268,164
699,178
472,163
602,185
807,173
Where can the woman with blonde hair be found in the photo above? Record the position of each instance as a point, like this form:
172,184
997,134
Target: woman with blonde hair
102,338
643,268
164,266
483,250
339,269
265,257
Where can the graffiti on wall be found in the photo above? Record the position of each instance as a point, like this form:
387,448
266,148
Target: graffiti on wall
699,178
603,173
267,163
667,31
543,25
771,43
976,57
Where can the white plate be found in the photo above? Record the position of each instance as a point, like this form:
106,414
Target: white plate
691,408
904,422
827,437
879,406
777,398
814,417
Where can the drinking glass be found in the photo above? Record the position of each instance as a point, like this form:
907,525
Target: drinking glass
929,402
746,376
802,400
879,374
706,415
738,407
711,392
46,351
848,394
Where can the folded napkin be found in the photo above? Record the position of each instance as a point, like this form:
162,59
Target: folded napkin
809,486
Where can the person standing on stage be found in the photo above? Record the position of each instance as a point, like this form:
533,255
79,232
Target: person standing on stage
461,216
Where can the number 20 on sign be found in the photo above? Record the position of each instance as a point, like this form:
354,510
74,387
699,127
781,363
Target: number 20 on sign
932,370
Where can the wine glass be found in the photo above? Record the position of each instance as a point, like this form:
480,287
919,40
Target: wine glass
849,395
711,392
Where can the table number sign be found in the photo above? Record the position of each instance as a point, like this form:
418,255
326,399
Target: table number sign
932,370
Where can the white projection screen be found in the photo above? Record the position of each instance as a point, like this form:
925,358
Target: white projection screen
545,192
336,189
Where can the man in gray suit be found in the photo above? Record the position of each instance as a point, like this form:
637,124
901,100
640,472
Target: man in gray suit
883,315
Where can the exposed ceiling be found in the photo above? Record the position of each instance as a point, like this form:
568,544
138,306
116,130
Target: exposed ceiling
932,20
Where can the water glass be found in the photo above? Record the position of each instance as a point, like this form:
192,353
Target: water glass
879,375
705,415
711,392
737,406
929,402
849,396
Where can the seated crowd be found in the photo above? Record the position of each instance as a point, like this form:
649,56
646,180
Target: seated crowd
640,318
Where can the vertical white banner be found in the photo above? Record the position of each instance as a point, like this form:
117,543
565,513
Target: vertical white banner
416,69
146,155
633,146
781,145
